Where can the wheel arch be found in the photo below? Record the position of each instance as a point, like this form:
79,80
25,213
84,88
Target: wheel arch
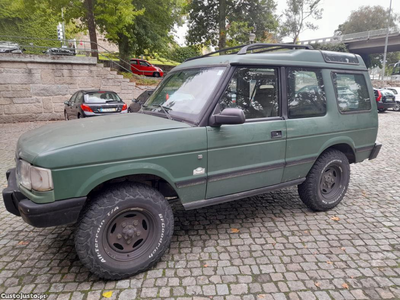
346,146
154,176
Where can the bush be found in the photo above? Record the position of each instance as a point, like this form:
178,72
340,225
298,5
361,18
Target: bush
180,54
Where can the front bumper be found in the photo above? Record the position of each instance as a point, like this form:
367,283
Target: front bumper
40,215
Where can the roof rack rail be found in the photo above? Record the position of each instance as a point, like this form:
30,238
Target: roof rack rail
277,46
243,49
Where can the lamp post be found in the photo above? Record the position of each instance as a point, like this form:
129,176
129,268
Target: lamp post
386,43
252,37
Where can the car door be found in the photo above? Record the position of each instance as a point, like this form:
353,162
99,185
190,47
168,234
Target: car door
75,107
135,67
69,106
146,68
248,156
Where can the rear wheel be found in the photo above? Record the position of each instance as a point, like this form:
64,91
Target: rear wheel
66,116
124,230
382,110
79,116
327,182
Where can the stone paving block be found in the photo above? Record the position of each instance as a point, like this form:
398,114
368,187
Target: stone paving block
282,250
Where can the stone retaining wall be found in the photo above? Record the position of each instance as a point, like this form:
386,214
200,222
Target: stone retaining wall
34,87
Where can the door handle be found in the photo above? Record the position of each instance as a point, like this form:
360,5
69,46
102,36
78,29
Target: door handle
276,134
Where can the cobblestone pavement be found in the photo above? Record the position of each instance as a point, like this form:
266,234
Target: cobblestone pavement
265,247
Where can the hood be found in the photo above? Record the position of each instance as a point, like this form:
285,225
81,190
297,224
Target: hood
60,135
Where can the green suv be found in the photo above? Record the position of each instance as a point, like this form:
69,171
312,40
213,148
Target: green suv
218,128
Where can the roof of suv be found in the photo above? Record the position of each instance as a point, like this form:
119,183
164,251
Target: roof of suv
303,57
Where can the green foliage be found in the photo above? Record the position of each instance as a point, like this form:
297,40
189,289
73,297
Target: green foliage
180,54
17,23
298,15
242,17
367,18
151,31
339,47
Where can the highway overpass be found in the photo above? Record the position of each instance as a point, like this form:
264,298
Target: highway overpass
368,42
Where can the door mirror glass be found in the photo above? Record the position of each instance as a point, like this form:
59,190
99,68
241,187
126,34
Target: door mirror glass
229,116
66,103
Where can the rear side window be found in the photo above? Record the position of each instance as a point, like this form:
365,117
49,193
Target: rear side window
352,92
306,94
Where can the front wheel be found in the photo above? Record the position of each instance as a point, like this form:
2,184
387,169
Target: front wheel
397,106
327,182
124,230
156,74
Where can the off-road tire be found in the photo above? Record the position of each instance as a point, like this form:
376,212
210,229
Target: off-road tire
313,191
120,202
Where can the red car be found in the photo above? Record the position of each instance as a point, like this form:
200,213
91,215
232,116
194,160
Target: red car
143,67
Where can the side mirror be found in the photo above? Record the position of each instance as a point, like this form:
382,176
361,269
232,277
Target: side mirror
66,103
229,116
135,100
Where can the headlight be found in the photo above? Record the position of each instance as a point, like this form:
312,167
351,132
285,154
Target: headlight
34,178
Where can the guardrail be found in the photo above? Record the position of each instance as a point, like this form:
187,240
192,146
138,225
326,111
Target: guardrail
365,35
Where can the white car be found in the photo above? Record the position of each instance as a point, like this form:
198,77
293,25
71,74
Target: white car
396,92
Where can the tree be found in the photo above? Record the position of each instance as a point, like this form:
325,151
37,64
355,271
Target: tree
17,23
216,22
180,54
298,15
111,17
338,47
367,18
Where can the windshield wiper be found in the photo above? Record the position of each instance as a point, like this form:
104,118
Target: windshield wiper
164,109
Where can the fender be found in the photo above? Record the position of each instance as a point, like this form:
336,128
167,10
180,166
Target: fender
116,171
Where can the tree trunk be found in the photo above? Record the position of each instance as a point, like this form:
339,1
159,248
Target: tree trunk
92,28
222,28
124,53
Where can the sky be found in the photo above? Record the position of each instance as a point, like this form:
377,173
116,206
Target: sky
335,12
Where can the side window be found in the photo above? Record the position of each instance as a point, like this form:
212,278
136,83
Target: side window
134,62
305,93
143,63
79,98
255,91
351,91
72,100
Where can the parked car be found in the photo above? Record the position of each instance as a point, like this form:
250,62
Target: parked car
385,99
60,51
84,104
143,67
10,47
137,103
210,133
396,92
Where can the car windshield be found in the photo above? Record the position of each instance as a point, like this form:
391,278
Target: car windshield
185,93
101,97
